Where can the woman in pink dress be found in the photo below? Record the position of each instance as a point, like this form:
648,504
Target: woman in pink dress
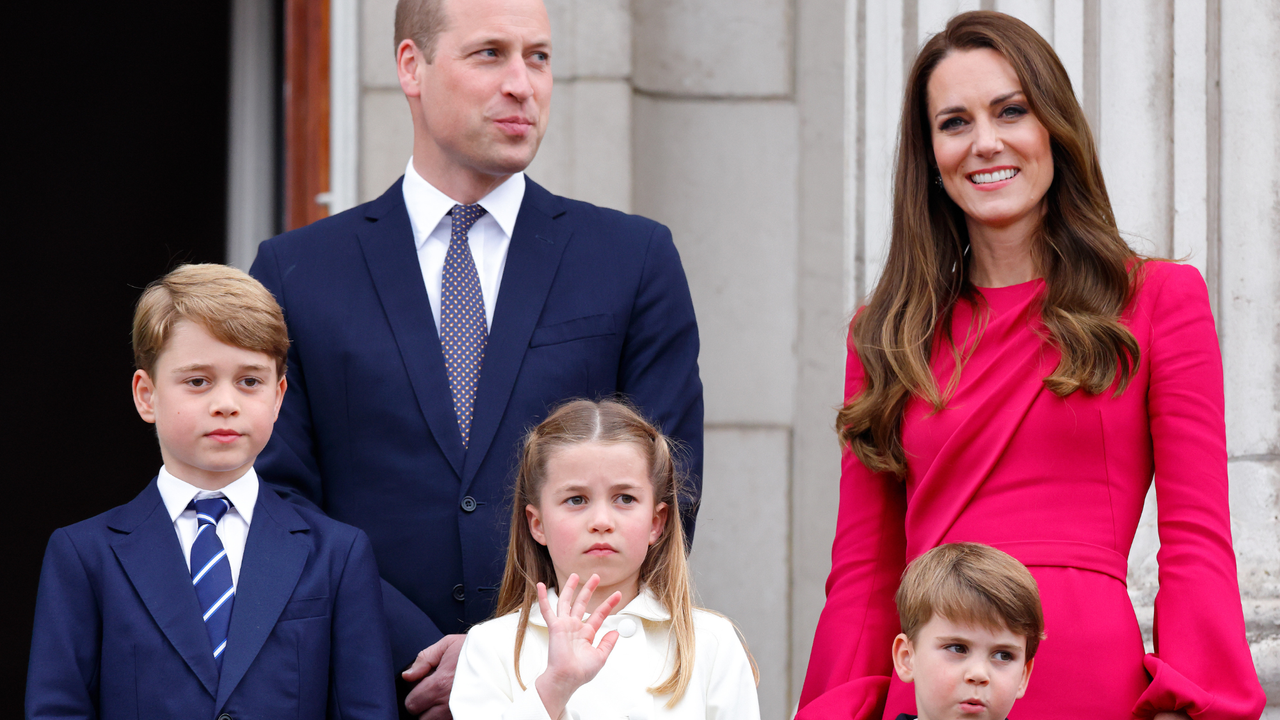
1020,377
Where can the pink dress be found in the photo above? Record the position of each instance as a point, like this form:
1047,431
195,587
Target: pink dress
1058,483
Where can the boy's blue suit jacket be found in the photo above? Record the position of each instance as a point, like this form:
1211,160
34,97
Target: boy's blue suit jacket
118,630
592,302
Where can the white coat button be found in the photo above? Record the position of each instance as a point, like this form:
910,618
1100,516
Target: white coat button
627,627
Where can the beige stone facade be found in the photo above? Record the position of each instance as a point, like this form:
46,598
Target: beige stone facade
761,132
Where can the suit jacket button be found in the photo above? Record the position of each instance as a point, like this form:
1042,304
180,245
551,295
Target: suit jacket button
459,593
468,504
225,716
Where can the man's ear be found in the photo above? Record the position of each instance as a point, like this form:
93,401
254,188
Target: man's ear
144,395
659,522
535,524
1026,677
408,58
904,658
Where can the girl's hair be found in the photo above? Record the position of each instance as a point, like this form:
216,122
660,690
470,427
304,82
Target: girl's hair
665,570
1088,269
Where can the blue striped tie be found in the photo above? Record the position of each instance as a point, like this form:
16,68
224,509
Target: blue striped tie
463,330
211,573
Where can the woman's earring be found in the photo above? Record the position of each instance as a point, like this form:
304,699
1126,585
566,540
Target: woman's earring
937,179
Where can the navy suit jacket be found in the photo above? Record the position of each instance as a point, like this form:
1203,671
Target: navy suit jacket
593,302
118,632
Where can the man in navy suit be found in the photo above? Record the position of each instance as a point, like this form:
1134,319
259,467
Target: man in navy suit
208,595
387,431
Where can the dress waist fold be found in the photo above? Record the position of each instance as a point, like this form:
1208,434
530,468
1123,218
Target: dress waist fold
1066,553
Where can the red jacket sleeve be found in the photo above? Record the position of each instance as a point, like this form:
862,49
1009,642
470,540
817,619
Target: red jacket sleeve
1201,664
850,664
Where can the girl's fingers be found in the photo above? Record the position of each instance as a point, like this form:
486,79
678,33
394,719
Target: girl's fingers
544,604
584,597
603,611
606,644
565,601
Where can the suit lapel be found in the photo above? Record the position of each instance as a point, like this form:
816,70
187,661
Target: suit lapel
152,557
532,260
273,562
387,244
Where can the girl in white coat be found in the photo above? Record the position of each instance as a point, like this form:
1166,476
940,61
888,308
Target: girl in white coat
597,496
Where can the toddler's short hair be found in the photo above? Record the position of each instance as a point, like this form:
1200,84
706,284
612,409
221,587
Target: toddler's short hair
228,303
971,583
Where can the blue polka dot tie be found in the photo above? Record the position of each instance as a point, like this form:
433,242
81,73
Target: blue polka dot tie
462,322
211,573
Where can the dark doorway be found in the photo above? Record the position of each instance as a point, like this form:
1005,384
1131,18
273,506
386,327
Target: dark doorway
118,134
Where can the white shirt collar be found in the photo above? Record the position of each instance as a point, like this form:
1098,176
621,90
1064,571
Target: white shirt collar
645,606
178,494
427,205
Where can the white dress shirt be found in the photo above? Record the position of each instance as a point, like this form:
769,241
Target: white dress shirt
232,529
489,238
722,686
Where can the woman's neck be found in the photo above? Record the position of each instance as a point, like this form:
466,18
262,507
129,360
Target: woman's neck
1000,257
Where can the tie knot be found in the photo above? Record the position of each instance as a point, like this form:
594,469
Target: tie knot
464,216
210,510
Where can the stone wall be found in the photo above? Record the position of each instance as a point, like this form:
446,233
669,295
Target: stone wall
761,132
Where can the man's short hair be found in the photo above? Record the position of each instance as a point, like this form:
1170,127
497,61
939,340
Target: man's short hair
421,21
228,303
974,584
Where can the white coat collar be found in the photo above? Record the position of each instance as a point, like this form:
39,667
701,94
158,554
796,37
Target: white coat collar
645,606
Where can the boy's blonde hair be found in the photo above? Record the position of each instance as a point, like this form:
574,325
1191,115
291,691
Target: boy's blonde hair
665,570
226,302
971,583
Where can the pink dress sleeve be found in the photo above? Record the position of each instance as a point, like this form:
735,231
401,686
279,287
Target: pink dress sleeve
850,664
1201,664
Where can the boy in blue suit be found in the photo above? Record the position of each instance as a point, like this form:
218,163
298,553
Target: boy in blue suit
207,595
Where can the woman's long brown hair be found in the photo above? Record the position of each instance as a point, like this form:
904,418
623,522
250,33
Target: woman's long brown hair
1089,270
665,570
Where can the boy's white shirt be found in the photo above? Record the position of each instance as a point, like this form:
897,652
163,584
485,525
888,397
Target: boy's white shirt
233,528
722,685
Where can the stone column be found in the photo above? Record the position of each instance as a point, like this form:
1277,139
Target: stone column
715,143
827,147
386,132
1249,313
586,154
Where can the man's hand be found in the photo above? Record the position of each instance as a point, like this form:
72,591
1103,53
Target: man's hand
433,671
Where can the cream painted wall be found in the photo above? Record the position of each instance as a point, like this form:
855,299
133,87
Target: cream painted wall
761,132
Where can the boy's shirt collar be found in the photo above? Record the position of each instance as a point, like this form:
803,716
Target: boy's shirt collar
178,494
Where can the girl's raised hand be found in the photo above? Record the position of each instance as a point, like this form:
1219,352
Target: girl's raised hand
572,660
